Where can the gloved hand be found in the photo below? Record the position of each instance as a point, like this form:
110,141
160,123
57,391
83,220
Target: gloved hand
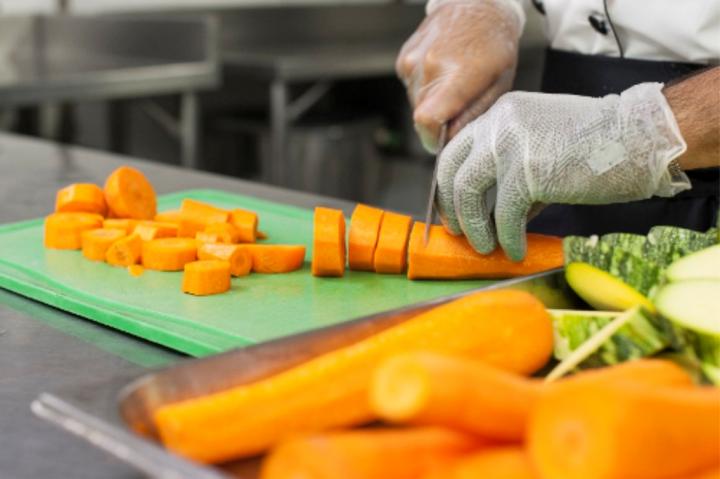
459,61
540,148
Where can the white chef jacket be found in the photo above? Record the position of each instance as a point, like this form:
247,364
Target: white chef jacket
667,30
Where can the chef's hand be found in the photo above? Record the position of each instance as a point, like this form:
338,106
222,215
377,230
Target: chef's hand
540,149
459,61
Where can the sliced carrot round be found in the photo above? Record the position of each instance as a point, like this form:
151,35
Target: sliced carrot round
328,242
238,256
126,225
203,278
64,230
95,243
81,198
169,254
226,232
129,194
274,258
125,251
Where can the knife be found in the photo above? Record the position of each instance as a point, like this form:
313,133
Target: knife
433,186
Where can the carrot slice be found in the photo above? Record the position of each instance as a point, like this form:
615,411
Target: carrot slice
95,243
196,215
509,462
275,258
82,198
150,230
368,454
585,430
425,388
203,237
170,216
169,254
64,230
125,251
129,194
451,257
135,270
126,225
226,232
238,256
203,278
328,242
391,251
246,223
331,390
364,231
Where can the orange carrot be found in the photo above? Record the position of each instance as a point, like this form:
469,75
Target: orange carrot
150,230
95,243
246,223
332,389
425,388
203,278
196,215
509,462
451,257
713,473
203,237
364,231
367,454
226,232
276,258
586,430
170,216
125,251
431,389
238,256
328,258
126,225
81,198
129,194
169,254
135,270
64,230
391,251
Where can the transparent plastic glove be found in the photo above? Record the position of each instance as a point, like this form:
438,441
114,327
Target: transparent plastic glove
459,61
540,149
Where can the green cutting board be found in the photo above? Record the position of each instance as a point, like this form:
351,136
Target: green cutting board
257,308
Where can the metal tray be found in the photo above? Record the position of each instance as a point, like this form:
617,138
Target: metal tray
129,432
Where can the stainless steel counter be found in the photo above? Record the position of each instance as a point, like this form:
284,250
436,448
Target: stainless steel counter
44,349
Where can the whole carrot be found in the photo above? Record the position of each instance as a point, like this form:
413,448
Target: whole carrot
368,454
586,430
510,462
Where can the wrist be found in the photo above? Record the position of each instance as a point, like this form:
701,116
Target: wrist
513,9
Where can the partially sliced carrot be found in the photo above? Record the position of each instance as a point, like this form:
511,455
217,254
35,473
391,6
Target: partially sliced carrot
125,251
227,233
64,230
129,194
451,257
150,230
169,254
331,390
203,278
364,231
170,216
328,257
508,462
246,223
95,243
276,258
588,430
81,198
238,256
126,225
391,251
368,454
196,215
460,393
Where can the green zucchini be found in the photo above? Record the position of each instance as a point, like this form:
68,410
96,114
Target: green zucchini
667,244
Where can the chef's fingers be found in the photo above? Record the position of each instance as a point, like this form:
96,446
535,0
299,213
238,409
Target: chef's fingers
511,214
452,158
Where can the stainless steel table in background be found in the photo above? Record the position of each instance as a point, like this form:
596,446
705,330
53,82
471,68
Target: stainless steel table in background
45,349
65,59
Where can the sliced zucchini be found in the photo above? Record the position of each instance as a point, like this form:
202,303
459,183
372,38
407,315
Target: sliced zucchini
693,304
704,264
602,290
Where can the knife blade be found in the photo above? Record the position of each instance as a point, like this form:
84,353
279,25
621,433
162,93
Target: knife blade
433,185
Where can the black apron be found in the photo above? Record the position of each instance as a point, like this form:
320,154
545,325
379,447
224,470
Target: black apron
591,75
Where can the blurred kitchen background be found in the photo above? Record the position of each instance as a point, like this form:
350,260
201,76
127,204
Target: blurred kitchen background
297,93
